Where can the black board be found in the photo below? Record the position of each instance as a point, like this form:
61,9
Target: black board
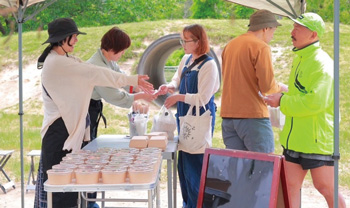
236,179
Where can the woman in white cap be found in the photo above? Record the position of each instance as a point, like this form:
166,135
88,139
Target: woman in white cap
67,84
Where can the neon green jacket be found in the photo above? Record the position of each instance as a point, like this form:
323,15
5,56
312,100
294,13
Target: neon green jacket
308,105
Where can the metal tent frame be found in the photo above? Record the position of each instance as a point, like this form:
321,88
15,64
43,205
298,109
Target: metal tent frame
290,8
20,7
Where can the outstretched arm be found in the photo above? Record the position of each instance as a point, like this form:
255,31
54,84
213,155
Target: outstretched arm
144,85
173,99
164,89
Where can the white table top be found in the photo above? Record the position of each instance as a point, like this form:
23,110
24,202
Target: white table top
122,141
6,152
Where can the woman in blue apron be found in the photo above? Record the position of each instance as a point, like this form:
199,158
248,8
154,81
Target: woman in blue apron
197,77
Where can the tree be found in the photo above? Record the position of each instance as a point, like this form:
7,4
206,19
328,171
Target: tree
202,9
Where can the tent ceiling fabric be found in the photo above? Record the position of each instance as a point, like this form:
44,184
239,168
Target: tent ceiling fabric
15,3
288,8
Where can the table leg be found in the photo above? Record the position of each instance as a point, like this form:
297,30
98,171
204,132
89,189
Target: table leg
158,195
31,173
79,200
2,165
150,199
49,199
103,202
175,178
170,180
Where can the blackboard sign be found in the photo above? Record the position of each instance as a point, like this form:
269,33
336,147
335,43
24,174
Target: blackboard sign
236,179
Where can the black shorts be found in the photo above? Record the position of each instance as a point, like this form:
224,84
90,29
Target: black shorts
306,163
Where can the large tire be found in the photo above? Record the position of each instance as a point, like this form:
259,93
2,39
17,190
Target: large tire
155,56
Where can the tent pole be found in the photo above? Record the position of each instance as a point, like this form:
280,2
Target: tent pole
20,78
336,101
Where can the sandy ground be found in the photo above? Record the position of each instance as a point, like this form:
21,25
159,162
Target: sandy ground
310,197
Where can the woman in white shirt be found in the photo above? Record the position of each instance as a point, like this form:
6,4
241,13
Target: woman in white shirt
67,84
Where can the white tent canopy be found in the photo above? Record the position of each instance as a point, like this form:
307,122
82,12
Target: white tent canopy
16,3
288,8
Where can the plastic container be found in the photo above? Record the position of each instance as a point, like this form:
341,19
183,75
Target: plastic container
132,150
138,142
87,176
122,154
158,141
59,176
146,162
116,166
98,157
120,163
74,162
82,152
74,157
97,162
113,175
105,150
66,166
140,174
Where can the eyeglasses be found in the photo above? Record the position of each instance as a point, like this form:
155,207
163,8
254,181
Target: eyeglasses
183,42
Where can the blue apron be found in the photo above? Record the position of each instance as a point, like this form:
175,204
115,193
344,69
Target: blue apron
190,165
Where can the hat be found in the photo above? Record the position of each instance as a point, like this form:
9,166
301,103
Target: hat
61,28
262,19
312,21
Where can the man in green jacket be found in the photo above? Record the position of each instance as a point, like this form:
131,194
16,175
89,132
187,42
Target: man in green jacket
307,136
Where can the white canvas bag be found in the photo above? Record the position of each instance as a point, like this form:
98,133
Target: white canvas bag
195,131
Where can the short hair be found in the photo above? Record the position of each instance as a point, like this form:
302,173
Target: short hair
115,39
198,33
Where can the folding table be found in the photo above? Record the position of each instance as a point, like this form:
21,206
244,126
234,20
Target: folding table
122,141
169,154
31,177
152,188
5,156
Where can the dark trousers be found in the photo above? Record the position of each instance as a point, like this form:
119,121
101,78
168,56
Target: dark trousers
52,154
95,112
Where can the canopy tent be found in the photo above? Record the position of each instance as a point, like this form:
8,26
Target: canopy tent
292,9
19,7
16,3
288,8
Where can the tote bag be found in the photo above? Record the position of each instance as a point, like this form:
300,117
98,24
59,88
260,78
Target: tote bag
195,130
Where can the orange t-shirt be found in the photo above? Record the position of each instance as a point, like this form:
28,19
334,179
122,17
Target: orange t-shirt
246,70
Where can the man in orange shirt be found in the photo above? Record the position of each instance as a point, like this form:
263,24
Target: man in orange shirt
247,75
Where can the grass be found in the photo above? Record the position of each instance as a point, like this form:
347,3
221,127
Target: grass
219,32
